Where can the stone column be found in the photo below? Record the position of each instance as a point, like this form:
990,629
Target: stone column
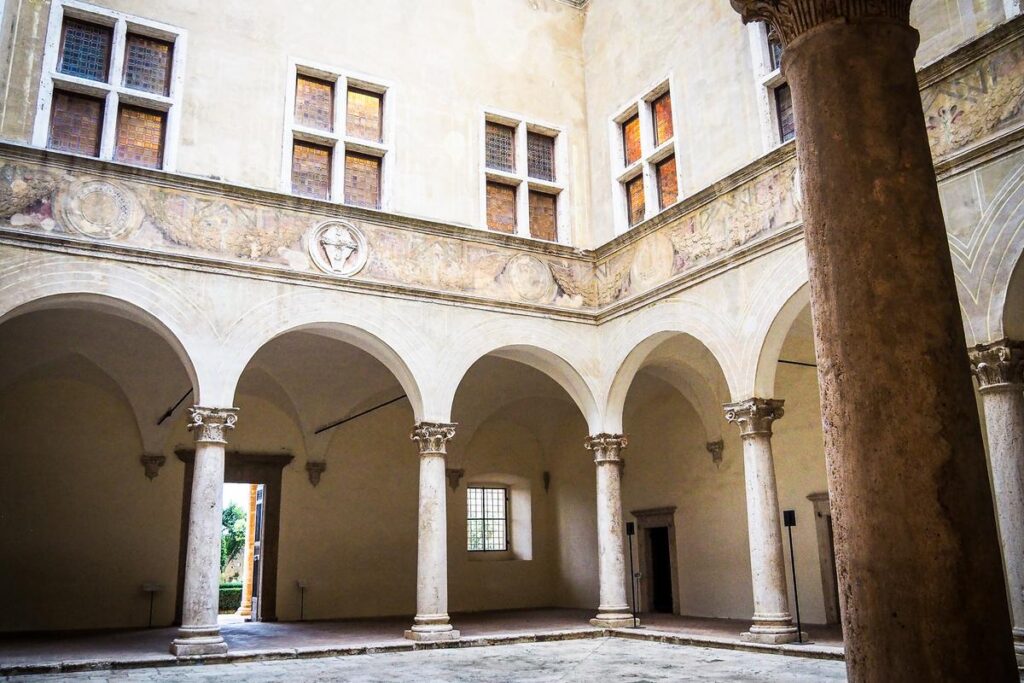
917,550
199,633
431,622
772,620
613,612
1000,371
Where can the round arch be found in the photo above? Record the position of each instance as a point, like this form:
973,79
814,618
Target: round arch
775,337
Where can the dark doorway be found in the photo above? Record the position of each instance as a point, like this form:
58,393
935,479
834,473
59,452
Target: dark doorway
661,570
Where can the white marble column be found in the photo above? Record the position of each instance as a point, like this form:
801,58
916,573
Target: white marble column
614,610
772,622
199,633
999,368
431,622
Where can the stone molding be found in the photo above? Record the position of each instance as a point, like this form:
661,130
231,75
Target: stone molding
607,447
793,18
152,464
716,448
433,437
998,366
209,424
754,415
314,469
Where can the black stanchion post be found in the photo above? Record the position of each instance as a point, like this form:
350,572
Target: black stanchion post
630,530
789,519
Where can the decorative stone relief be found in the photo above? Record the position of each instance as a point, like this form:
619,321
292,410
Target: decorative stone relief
529,278
716,449
607,447
791,18
755,415
454,477
315,468
152,464
209,424
433,437
337,248
24,188
100,209
999,366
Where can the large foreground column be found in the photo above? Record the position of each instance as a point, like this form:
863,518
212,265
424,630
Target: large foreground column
772,620
918,557
431,622
611,562
1000,372
199,633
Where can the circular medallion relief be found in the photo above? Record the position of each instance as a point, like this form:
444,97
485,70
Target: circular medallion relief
529,278
652,262
99,209
337,248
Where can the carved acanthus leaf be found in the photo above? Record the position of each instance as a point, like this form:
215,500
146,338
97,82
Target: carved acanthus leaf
755,415
433,437
999,365
606,447
209,424
791,18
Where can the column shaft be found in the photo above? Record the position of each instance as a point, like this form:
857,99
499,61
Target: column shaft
613,610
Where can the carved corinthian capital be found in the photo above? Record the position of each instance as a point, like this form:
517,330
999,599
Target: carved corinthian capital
792,18
606,447
209,424
998,366
755,415
433,437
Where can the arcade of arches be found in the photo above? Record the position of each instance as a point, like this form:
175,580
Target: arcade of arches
696,396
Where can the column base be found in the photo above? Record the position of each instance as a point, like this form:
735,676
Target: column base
614,619
193,641
432,636
432,628
774,637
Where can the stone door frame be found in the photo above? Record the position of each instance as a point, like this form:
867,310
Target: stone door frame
826,560
649,519
242,468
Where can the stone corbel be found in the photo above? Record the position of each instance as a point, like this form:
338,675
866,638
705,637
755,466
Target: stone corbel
454,477
152,464
314,468
716,448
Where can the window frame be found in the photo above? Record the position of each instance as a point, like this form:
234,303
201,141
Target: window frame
507,550
113,92
767,80
651,154
520,178
338,139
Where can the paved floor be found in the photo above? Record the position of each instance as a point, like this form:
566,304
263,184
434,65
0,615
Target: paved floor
571,660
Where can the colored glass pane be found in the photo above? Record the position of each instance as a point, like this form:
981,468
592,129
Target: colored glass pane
668,188
540,156
784,111
501,207
85,50
311,170
635,199
631,139
500,147
364,115
75,123
661,110
543,216
362,180
147,64
140,136
314,103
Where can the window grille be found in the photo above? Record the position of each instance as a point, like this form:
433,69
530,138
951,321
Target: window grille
661,110
500,147
140,136
362,180
364,114
314,103
75,123
147,64
85,49
543,212
501,207
540,156
487,519
631,139
784,109
311,170
668,188
635,199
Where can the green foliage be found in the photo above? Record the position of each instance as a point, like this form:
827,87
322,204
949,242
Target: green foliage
230,598
232,537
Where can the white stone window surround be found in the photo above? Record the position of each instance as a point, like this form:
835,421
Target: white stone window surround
338,139
767,80
113,92
521,179
650,155
518,518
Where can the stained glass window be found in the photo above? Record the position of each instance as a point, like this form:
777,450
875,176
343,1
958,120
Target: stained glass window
147,64
500,147
543,216
635,199
501,207
85,50
668,188
364,115
311,170
140,136
631,139
487,519
661,110
540,156
314,103
75,123
784,110
362,180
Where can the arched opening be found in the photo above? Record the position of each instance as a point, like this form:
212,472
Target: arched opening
93,399
521,435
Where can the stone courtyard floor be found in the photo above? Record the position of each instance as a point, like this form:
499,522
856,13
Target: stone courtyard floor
603,658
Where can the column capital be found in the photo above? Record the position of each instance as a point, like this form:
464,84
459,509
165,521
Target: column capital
793,18
606,447
433,437
209,424
754,415
998,366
